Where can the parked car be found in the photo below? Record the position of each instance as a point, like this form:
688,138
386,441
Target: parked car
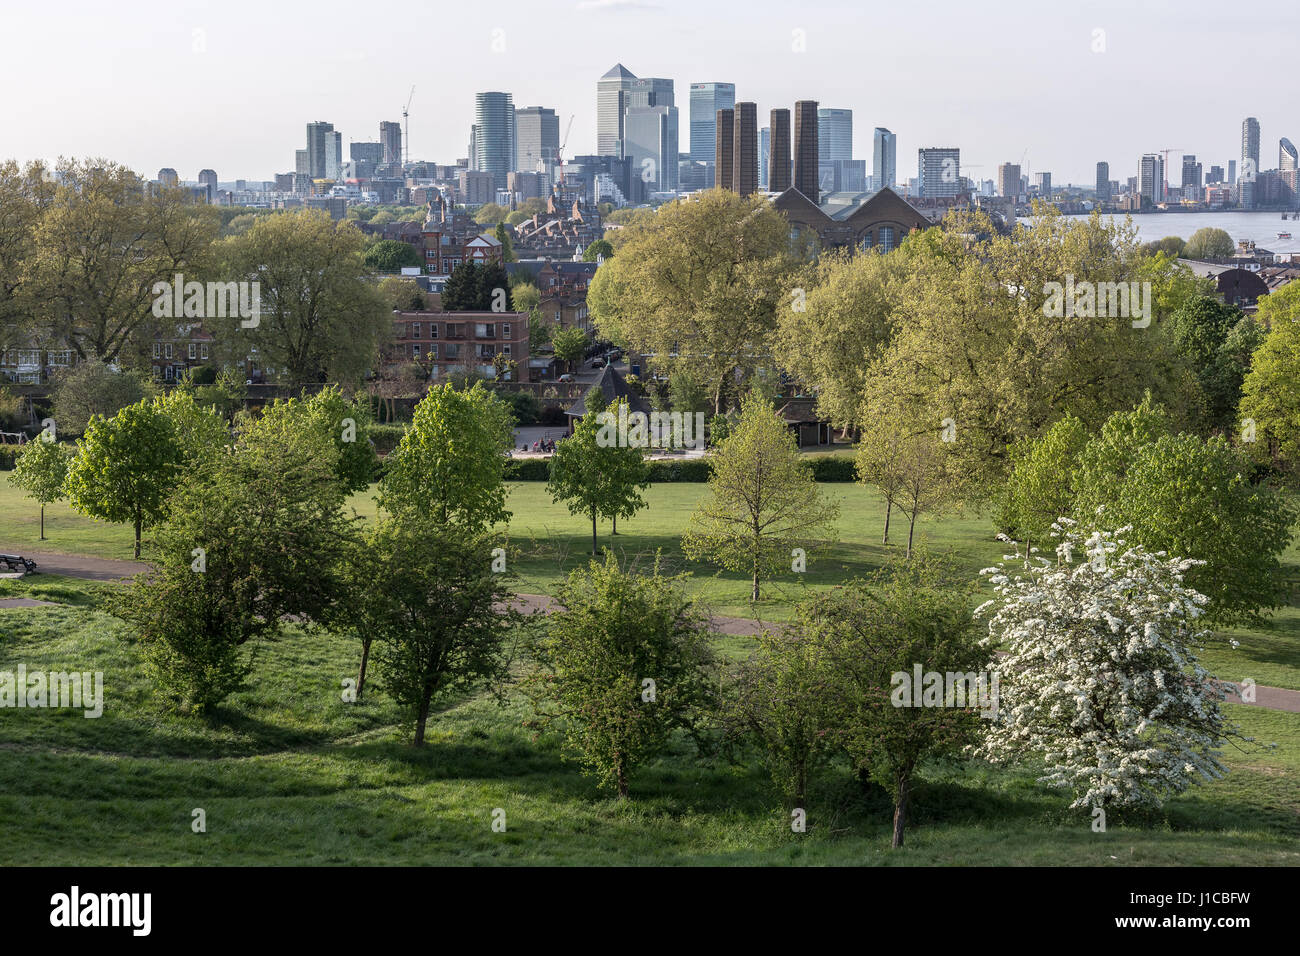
566,377
598,363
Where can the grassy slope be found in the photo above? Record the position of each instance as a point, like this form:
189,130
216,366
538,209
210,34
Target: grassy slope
287,773
547,542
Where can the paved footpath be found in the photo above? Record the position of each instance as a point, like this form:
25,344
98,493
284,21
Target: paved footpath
106,569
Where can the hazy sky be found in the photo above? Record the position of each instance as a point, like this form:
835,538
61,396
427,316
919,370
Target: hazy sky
231,85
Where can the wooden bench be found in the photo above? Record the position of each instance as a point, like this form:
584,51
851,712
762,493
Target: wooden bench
16,562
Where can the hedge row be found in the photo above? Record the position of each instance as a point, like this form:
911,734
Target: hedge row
827,468
386,437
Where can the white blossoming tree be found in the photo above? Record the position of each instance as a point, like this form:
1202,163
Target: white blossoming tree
1101,680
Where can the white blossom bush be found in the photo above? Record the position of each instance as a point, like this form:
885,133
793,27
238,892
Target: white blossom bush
1101,680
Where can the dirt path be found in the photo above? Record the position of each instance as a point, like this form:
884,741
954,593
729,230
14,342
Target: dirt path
108,569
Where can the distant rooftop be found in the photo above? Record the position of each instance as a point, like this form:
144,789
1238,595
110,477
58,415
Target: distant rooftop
842,204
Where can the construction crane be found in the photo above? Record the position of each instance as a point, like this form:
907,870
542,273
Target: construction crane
559,153
1165,154
406,123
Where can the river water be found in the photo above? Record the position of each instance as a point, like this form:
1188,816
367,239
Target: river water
1260,227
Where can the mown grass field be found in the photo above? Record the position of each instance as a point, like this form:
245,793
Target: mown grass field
287,773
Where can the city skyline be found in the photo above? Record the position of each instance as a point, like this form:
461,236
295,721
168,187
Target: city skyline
979,100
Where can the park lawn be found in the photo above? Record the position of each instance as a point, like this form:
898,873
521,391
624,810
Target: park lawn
287,773
546,542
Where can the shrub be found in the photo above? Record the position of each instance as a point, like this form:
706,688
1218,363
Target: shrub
832,468
386,437
524,406
527,469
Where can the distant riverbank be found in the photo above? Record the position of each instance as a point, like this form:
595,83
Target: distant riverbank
1260,228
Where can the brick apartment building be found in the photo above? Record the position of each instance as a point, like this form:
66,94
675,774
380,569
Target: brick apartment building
443,342
177,348
562,286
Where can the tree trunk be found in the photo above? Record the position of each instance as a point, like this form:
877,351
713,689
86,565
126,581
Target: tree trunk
42,522
889,508
137,535
754,595
594,552
900,808
911,528
620,776
365,657
615,524
422,720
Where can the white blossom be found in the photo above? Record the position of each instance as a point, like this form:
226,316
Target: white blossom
1101,680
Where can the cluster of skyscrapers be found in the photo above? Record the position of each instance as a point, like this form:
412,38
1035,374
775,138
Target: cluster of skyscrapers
1244,184
518,153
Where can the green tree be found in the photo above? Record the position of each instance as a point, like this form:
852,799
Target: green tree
225,396
525,296
539,332
780,699
1041,487
125,467
391,255
461,291
928,478
598,249
762,500
1217,340
475,287
255,537
871,634
879,462
343,421
1271,389
41,470
495,288
1171,246
25,195
200,432
687,393
981,336
836,322
625,664
99,250
440,614
320,318
698,285
570,345
1209,243
1190,497
92,388
451,462
489,214
1105,460
403,295
502,235
599,470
